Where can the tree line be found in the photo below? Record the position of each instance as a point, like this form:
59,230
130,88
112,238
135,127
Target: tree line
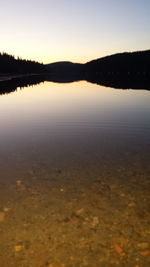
9,64
122,63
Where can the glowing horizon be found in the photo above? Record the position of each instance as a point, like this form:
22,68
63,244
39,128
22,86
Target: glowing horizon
77,31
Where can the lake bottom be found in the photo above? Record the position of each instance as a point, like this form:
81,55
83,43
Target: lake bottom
90,211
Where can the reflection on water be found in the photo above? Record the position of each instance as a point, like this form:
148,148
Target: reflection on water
74,183
11,85
126,81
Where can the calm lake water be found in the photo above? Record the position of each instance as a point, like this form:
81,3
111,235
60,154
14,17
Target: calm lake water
74,176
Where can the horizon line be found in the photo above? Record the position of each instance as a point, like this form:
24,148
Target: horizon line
116,53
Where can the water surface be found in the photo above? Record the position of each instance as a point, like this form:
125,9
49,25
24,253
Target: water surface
74,183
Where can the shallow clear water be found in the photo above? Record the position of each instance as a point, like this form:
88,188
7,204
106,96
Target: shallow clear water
74,182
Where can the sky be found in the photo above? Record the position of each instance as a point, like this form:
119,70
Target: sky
73,30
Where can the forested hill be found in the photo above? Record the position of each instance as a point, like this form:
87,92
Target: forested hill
122,63
9,64
64,67
128,63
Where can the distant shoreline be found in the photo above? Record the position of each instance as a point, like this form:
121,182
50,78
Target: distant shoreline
123,70
9,77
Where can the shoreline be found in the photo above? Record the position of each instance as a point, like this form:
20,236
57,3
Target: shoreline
9,77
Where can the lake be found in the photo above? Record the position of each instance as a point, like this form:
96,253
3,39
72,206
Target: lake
74,176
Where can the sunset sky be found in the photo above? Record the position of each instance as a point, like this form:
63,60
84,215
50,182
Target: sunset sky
74,30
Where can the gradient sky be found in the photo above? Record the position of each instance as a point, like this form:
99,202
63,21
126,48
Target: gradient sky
75,30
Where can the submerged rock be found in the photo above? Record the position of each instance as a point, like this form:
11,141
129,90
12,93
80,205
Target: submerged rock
18,248
2,216
79,212
95,221
143,245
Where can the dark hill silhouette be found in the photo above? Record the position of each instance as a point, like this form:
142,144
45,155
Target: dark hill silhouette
9,64
122,63
64,67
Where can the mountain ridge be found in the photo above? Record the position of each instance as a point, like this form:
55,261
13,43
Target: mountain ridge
119,62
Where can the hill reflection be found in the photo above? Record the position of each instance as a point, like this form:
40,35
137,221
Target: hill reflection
126,81
138,81
10,86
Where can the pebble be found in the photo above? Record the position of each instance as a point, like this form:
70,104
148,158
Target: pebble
131,204
31,252
119,250
62,190
143,245
79,212
2,216
122,195
18,182
18,248
145,252
95,221
5,209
